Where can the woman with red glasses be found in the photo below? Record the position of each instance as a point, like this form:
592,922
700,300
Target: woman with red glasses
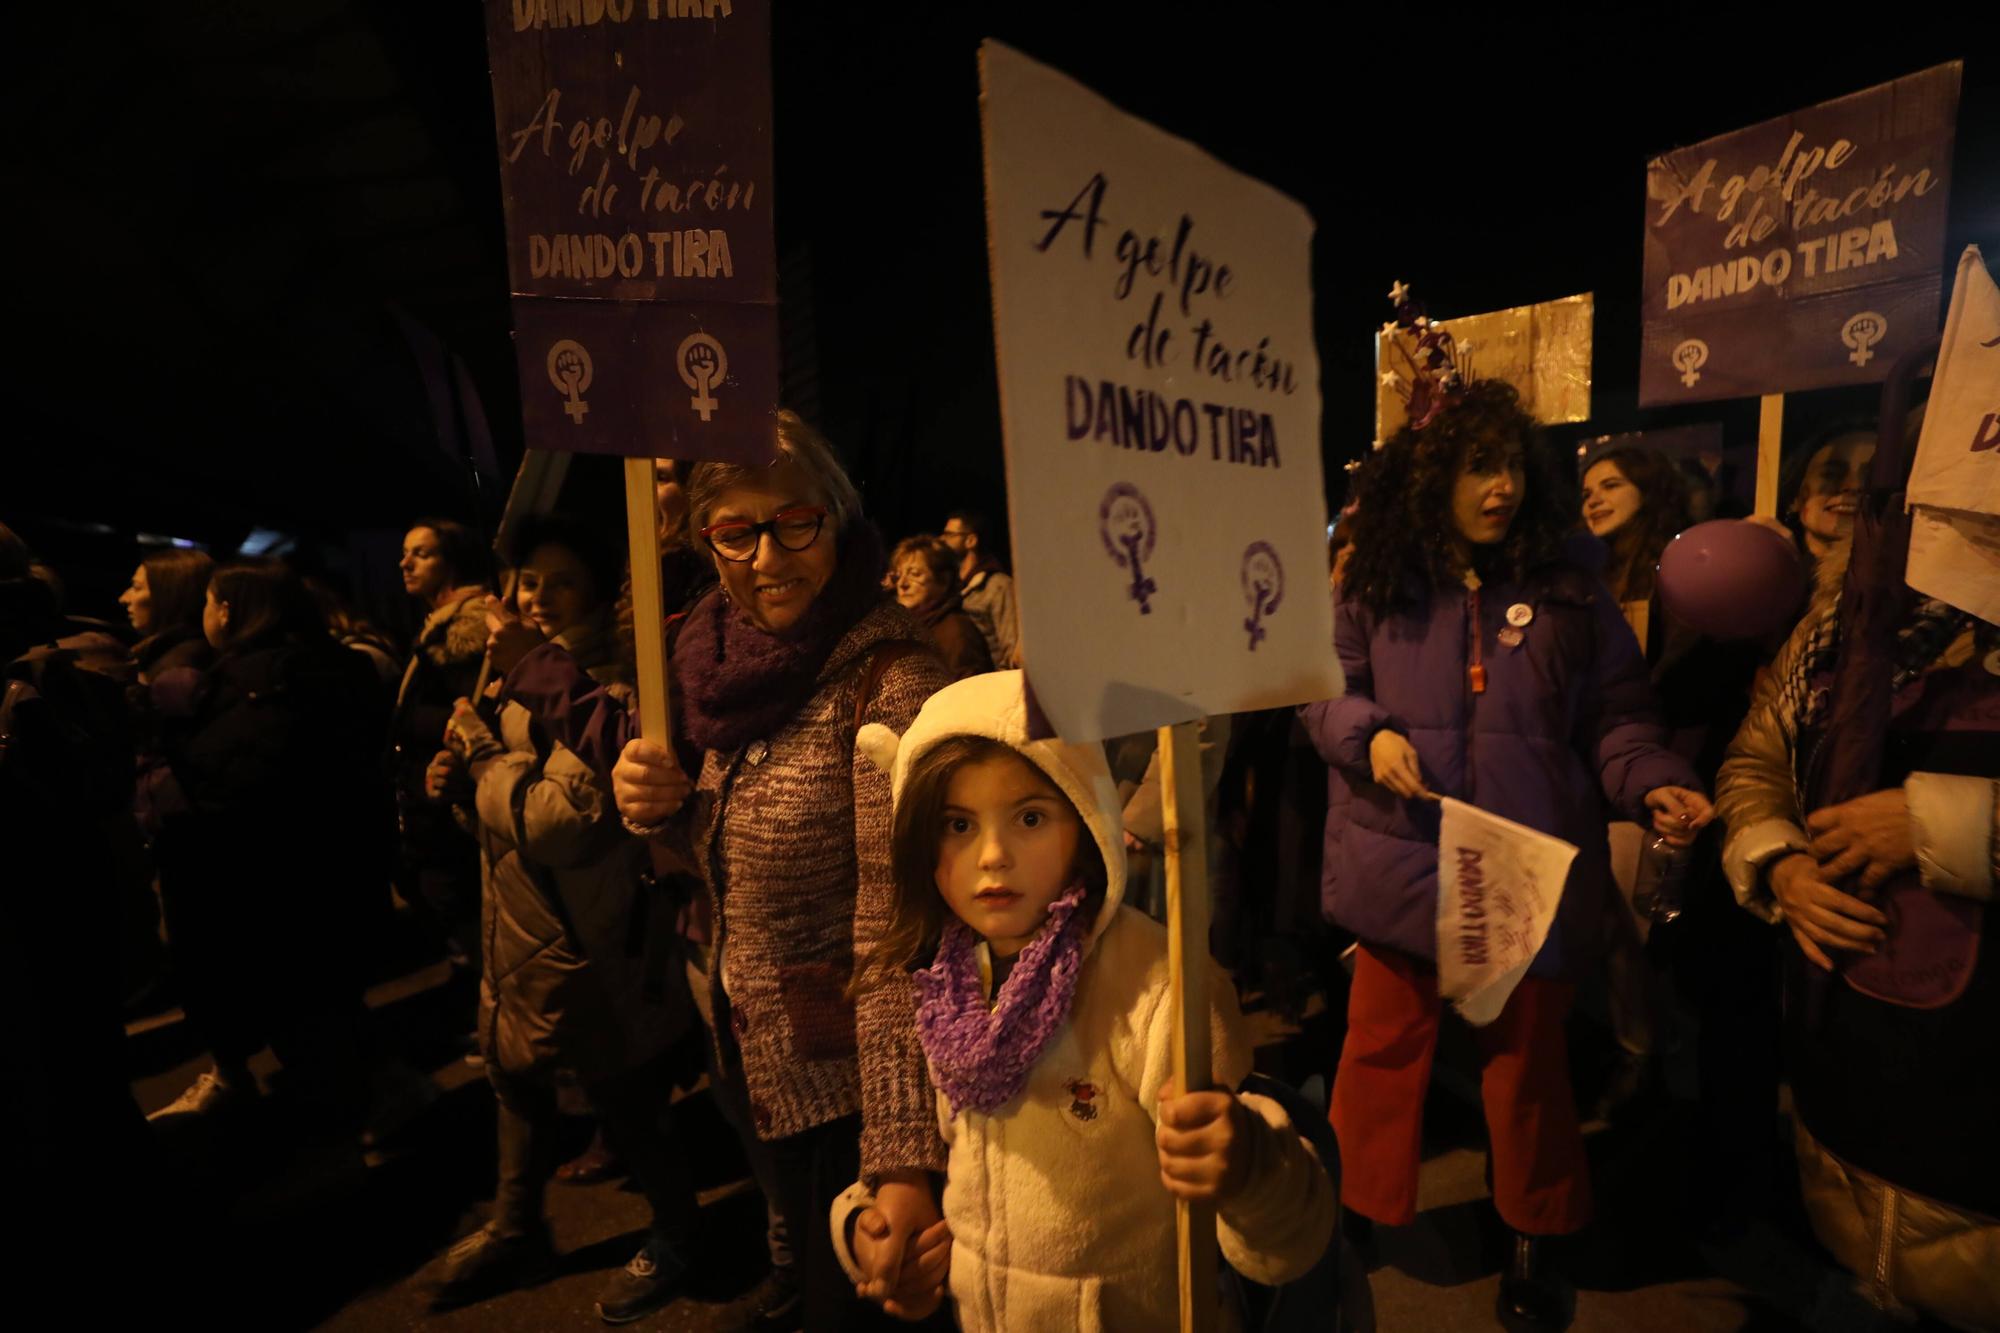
785,826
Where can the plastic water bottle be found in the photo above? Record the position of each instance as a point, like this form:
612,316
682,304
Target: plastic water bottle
1661,882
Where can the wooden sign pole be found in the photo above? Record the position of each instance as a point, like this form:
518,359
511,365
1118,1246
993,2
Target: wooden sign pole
642,529
1770,434
486,662
1187,958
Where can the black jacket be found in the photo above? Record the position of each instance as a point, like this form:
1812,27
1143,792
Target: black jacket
279,766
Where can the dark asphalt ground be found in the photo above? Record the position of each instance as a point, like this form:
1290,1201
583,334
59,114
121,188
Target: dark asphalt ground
294,1227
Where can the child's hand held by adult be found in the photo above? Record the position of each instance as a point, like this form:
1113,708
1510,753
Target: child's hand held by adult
904,1269
926,1265
877,1254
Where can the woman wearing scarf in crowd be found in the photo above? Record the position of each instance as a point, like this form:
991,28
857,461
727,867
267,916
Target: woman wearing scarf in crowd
786,826
447,570
1488,667
1891,995
926,574
1823,480
576,984
164,604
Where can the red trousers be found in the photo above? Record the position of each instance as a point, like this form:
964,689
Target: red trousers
1541,1179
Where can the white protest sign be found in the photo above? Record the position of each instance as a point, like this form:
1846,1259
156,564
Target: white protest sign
1954,487
1159,390
1498,886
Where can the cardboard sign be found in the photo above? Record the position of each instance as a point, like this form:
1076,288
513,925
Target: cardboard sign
1499,884
1800,253
1542,350
635,160
1159,391
1954,490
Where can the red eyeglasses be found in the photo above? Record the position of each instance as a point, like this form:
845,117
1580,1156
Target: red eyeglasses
793,529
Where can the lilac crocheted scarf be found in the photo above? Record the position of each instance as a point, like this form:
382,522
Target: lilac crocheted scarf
980,1058
735,683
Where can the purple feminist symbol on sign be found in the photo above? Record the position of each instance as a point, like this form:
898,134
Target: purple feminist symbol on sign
1263,587
1125,522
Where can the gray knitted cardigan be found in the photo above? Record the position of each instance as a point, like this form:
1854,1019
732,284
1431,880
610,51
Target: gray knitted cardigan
791,837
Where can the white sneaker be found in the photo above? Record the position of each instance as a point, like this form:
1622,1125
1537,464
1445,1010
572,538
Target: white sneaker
207,1095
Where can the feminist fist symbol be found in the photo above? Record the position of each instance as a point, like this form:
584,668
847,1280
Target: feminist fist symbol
570,371
1263,588
1689,357
702,364
1125,524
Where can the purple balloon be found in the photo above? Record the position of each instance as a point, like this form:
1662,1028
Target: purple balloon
1732,579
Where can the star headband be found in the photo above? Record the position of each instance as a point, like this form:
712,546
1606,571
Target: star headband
1434,370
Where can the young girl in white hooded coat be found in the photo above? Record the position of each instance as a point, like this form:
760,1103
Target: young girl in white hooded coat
1047,1023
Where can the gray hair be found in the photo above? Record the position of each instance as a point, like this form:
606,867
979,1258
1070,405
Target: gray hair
800,448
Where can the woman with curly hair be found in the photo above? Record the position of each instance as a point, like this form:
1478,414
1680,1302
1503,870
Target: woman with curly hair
1483,664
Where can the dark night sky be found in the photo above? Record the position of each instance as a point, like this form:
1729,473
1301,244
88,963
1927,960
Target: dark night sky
218,207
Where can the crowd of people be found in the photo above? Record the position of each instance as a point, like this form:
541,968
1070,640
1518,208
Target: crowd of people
909,935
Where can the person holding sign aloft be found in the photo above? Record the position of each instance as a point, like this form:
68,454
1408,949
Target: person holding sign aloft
787,827
1043,1006
1490,668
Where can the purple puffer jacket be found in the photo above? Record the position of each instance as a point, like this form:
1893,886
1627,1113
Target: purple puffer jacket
1567,710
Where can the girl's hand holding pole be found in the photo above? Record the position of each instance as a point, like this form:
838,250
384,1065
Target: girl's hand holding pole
1204,1143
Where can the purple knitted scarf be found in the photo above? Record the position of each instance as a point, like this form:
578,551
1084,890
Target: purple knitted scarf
735,683
980,1058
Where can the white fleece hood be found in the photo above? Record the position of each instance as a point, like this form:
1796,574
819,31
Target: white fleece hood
995,705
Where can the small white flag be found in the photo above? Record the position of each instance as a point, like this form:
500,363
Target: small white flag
1954,490
1498,886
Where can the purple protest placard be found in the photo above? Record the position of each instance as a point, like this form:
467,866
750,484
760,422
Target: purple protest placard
634,140
1801,253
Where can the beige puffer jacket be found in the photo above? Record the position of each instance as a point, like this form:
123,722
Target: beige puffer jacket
1910,1251
579,962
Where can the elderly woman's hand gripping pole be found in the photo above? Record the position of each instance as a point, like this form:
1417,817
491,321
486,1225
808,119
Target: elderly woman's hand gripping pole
647,784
